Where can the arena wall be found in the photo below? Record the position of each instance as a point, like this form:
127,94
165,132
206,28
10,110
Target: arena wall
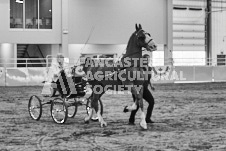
2,76
219,74
163,74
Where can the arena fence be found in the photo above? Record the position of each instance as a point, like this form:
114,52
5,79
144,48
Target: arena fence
31,76
12,75
44,62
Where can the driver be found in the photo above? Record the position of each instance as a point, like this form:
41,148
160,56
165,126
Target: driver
146,95
53,74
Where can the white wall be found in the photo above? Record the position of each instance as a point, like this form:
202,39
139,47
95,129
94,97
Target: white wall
7,55
29,36
105,26
55,49
113,21
75,50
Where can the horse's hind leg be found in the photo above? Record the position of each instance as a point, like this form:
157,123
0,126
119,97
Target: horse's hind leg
94,108
87,118
135,104
94,105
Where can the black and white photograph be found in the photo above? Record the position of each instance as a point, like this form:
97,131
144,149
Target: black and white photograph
113,75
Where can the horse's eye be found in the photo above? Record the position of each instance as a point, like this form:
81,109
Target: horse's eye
149,34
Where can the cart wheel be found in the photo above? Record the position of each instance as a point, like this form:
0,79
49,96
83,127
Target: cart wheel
100,107
72,108
35,107
59,111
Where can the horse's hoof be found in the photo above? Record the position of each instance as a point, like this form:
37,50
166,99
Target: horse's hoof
86,120
143,126
94,118
149,121
103,124
131,123
125,109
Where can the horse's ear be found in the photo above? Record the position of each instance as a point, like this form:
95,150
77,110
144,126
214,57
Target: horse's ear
136,27
140,27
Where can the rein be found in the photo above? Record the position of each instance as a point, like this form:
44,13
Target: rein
130,54
115,68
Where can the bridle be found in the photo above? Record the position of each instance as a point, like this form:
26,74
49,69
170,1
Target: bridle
130,54
138,39
145,33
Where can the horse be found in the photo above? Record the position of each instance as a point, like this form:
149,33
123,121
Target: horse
129,64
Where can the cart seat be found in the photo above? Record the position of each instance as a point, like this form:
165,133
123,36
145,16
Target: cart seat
76,87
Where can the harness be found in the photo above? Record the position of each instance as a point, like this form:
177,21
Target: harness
117,69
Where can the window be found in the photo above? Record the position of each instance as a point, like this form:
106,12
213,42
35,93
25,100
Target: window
221,60
31,14
16,14
45,14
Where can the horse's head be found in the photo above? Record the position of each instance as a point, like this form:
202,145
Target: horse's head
144,39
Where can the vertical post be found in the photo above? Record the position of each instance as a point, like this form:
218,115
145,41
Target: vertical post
208,32
47,61
38,16
168,48
26,62
5,75
15,55
64,16
193,73
24,15
213,75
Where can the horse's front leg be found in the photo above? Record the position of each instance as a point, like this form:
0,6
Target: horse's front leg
143,123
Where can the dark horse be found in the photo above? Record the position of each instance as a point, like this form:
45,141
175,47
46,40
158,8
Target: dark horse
129,65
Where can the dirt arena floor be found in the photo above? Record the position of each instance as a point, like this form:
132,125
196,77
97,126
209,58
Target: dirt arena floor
188,117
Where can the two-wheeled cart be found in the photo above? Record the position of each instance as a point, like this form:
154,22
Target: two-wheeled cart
71,95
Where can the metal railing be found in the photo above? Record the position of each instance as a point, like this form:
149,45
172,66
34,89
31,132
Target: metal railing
23,62
46,62
188,62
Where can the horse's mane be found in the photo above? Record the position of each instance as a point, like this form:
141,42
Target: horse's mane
130,40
